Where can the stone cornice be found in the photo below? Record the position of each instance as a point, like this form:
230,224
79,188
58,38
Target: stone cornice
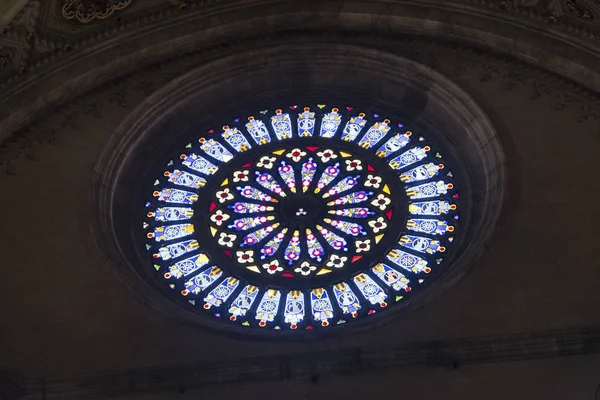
352,361
132,44
462,64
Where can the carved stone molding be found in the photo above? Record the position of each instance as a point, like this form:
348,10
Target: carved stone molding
577,19
353,361
85,11
179,33
460,63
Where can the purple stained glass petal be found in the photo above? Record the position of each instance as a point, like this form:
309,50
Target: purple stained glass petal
328,175
309,169
335,241
259,235
351,198
267,181
271,247
286,172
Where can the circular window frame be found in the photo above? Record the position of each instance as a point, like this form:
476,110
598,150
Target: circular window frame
226,87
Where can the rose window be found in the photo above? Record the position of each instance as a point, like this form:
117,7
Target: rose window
301,219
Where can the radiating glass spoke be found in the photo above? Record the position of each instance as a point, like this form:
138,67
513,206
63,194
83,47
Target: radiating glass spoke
259,235
409,262
308,171
188,266
215,150
394,144
235,139
243,224
258,130
269,249
409,157
421,244
286,172
164,233
375,133
438,207
282,125
221,293
342,186
199,163
292,251
430,226
268,307
351,198
328,175
315,250
421,173
169,195
242,303
353,127
346,299
250,208
171,214
293,313
185,179
203,280
255,194
372,291
347,227
335,241
267,181
355,212
330,123
431,189
322,310
391,277
175,250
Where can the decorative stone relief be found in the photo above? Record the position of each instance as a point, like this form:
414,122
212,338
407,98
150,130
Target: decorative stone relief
85,11
459,63
586,12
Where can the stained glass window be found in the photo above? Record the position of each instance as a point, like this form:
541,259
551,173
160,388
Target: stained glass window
301,218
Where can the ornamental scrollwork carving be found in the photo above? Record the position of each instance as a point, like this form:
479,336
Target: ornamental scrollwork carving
85,11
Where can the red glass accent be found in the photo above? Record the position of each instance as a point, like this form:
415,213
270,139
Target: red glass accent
349,108
228,252
312,148
287,275
356,258
248,165
455,195
212,206
369,168
309,327
293,107
388,214
211,131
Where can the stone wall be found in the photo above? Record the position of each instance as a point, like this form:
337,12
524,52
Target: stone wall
66,314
